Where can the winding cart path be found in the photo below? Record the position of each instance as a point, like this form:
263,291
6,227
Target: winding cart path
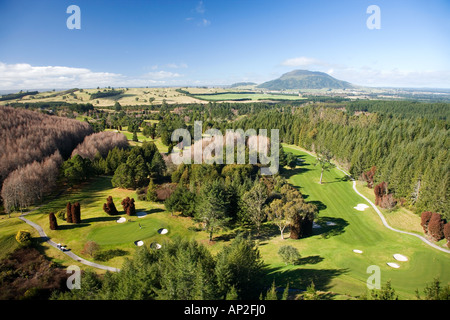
54,244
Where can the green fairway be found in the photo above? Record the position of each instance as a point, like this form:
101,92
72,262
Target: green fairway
97,226
328,255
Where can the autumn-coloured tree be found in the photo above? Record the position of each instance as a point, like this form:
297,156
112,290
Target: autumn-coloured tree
90,248
368,176
292,210
28,184
436,227
76,212
128,206
28,136
69,218
380,191
447,232
101,142
425,219
109,207
53,222
383,198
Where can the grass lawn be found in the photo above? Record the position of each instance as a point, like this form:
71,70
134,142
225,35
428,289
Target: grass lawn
327,256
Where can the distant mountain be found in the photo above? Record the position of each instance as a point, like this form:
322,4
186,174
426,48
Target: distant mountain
304,79
242,84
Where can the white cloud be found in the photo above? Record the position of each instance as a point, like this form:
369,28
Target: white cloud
205,22
200,8
22,76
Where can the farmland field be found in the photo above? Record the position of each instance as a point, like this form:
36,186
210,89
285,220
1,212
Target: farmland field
247,96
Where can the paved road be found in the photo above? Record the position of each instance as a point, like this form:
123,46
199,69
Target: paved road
53,244
383,219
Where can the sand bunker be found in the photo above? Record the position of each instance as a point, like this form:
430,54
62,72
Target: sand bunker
400,257
393,265
139,243
357,251
361,207
141,214
121,220
155,245
163,231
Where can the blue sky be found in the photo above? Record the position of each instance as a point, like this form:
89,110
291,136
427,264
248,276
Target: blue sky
214,42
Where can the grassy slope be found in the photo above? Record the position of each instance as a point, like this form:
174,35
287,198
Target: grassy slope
338,268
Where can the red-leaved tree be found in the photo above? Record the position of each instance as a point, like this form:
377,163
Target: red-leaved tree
69,212
53,222
128,206
436,227
368,176
425,219
447,232
109,207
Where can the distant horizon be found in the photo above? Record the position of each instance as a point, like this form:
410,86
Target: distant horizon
202,42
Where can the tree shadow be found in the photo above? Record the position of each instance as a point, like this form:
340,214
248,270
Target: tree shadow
73,226
301,278
287,173
267,231
319,204
342,179
309,260
155,210
99,219
330,227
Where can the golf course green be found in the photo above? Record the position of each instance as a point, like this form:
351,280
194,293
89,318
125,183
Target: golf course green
328,256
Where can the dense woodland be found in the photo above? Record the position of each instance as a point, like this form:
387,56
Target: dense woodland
401,143
409,154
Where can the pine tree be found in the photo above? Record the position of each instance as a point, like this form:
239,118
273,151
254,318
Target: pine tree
212,207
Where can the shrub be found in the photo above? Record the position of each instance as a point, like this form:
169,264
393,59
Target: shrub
109,207
289,254
23,237
90,248
128,206
61,214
